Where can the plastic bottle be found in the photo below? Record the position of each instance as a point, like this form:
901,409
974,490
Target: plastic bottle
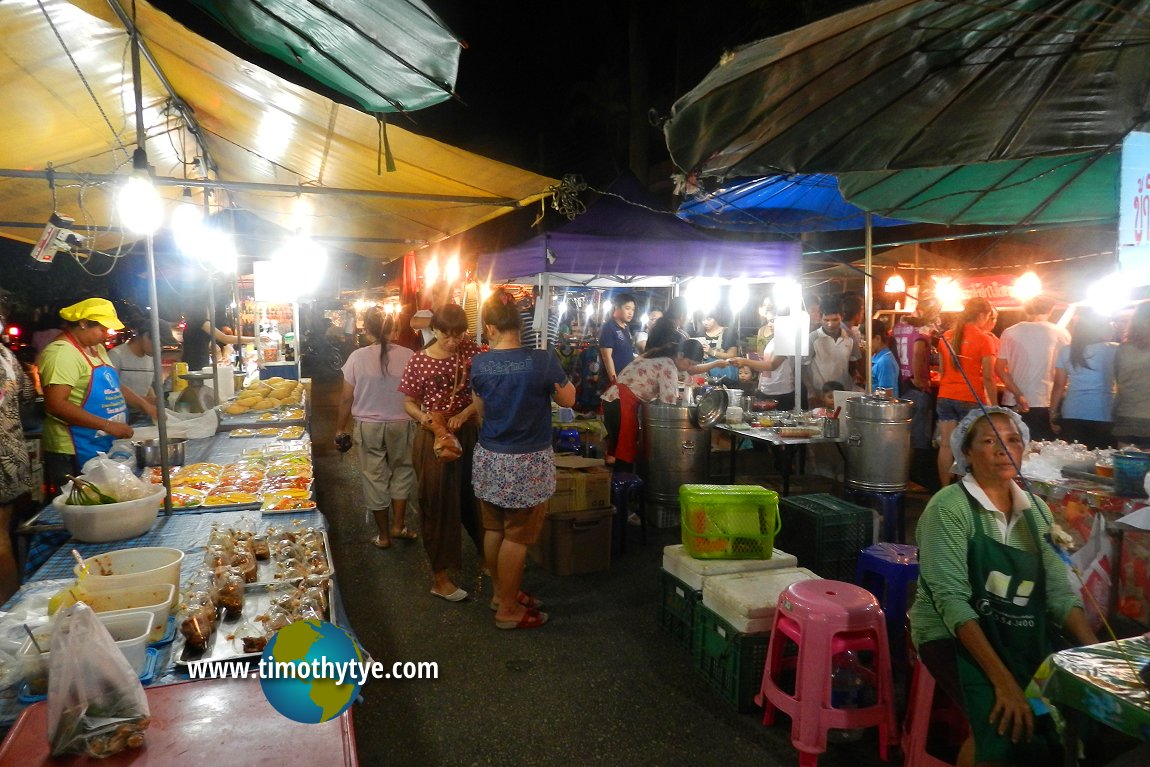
848,690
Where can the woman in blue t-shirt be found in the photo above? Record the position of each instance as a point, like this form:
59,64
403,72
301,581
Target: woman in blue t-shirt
1083,392
513,467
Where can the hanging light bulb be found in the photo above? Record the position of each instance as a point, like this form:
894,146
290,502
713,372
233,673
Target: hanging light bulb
430,273
187,223
138,202
451,272
1026,287
302,214
738,296
894,284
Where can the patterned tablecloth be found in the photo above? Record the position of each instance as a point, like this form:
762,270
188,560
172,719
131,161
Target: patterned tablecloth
1102,682
1074,504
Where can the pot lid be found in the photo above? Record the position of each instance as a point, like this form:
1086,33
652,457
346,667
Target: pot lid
712,407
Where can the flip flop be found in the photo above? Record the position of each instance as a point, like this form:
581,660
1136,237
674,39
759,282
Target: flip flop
456,596
525,599
532,619
404,534
379,543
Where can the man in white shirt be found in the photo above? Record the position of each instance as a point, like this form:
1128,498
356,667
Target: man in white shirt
135,362
1025,365
834,354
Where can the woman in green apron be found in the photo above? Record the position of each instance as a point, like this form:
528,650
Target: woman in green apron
992,592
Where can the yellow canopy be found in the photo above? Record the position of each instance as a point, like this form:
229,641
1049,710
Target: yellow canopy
66,70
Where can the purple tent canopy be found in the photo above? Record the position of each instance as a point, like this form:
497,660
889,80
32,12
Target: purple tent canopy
619,239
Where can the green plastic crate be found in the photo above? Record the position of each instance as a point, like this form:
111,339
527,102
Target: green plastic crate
825,533
677,603
728,521
732,662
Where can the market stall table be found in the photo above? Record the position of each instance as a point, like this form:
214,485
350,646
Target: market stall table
1099,681
1074,503
210,722
789,446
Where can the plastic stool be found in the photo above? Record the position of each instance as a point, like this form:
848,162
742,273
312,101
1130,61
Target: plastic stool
889,505
887,570
625,486
567,441
919,713
824,618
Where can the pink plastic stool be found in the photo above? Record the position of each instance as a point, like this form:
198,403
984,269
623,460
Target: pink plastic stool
824,618
920,711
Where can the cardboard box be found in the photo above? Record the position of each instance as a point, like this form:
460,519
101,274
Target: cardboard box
575,542
578,489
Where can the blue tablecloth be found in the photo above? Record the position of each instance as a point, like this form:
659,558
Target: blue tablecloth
186,530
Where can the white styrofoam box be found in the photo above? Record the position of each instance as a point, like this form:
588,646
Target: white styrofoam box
693,571
747,600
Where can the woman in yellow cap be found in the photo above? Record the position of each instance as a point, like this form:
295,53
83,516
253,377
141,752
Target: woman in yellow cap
86,408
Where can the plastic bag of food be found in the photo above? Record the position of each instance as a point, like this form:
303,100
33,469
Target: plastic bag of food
115,479
96,704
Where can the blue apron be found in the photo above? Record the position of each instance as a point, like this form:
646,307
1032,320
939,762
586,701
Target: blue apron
103,399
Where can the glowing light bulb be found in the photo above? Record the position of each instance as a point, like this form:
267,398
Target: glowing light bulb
139,205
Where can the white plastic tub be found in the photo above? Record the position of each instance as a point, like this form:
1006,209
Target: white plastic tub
144,566
157,600
128,629
110,521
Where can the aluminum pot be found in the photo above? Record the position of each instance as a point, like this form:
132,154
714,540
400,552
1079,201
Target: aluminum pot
148,452
674,453
878,443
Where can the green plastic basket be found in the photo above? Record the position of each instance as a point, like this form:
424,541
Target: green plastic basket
728,521
732,662
677,603
825,533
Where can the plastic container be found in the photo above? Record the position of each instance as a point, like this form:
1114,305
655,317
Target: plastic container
1130,468
728,521
825,532
734,415
110,521
694,572
156,600
145,566
731,661
676,613
747,600
129,630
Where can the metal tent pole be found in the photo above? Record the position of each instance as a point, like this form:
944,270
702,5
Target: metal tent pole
868,277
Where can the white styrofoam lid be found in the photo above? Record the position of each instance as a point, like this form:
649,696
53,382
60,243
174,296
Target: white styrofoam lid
753,595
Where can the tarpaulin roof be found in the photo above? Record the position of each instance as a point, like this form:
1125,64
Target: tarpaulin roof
627,238
69,104
913,83
794,203
388,55
1074,188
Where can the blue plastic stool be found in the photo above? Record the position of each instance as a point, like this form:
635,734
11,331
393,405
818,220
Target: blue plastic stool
567,441
887,570
624,487
889,505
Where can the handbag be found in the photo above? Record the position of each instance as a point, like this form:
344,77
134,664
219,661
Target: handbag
446,447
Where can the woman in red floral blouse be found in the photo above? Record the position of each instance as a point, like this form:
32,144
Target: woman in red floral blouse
436,385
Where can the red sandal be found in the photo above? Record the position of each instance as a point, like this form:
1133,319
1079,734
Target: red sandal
532,619
525,599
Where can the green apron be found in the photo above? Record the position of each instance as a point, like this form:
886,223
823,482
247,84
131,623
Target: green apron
1008,591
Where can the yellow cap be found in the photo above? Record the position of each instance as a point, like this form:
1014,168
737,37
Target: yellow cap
94,310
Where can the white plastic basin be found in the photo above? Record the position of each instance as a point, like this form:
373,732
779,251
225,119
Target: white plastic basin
110,521
156,600
144,566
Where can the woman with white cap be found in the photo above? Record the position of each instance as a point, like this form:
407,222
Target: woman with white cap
86,410
989,582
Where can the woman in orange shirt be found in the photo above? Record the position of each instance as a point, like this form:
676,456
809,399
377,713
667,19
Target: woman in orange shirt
956,397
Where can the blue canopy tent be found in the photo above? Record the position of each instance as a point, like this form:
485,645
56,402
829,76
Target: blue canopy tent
622,239
792,204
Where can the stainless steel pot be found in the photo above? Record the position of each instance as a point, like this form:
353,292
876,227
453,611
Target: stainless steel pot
674,453
878,443
148,452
